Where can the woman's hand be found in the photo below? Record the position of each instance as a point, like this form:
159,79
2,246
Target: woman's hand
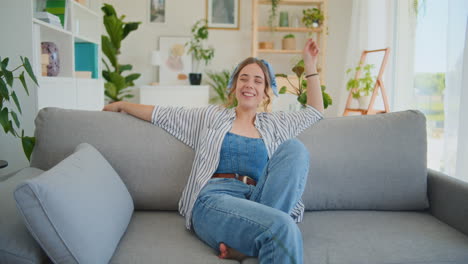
310,56
114,107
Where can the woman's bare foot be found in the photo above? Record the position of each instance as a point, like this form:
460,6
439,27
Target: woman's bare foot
229,253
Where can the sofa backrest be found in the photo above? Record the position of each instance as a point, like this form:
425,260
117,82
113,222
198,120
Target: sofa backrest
361,162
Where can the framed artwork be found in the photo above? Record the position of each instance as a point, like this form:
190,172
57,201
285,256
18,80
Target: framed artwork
222,14
157,11
175,63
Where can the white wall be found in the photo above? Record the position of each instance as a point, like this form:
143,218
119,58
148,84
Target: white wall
231,46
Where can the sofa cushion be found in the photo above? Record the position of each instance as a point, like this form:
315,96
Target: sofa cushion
160,237
16,243
78,210
371,237
375,162
153,164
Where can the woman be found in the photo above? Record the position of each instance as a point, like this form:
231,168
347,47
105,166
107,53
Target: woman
243,195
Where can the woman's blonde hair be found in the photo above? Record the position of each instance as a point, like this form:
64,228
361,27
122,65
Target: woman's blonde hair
231,99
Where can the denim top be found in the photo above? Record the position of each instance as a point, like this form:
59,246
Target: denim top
242,155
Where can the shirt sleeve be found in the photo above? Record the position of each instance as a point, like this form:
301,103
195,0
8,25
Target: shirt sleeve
290,124
183,123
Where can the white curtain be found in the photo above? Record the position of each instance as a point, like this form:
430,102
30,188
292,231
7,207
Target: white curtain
372,27
455,98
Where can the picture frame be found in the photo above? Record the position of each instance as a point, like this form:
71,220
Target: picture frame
176,64
157,11
223,14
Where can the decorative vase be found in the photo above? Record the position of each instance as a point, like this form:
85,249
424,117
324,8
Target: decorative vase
284,20
195,78
50,49
289,43
364,101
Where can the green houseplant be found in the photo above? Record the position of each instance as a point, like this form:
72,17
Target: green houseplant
361,88
198,51
301,88
218,82
312,17
116,83
273,12
7,95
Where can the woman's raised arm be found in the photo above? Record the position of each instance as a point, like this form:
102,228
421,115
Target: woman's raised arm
137,110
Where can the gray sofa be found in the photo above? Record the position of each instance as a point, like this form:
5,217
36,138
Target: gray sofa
369,197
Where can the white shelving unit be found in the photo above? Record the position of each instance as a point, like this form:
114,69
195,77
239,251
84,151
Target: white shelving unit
83,25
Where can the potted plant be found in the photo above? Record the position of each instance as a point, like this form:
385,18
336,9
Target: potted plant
361,88
301,88
289,42
199,53
273,13
116,84
8,96
218,82
312,17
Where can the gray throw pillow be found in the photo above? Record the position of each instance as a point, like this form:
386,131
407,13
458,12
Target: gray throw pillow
78,210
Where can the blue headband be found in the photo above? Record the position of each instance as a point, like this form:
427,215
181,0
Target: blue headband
271,73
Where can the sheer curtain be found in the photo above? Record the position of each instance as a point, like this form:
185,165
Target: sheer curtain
455,98
371,28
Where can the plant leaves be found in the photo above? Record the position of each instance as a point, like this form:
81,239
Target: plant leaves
283,90
130,78
129,27
302,98
298,70
128,96
15,98
29,70
111,91
125,67
15,118
6,73
4,90
28,145
4,120
109,50
281,75
23,82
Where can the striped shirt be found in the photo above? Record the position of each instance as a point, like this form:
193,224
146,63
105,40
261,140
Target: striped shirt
203,129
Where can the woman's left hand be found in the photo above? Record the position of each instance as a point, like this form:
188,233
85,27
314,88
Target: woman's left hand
310,54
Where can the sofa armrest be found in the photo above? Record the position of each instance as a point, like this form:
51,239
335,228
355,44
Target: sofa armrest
448,199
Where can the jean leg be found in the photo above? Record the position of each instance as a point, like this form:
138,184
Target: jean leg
284,178
249,227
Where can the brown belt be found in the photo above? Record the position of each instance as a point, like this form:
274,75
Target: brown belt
244,179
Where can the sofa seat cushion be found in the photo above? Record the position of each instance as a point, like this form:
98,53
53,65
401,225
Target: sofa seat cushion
372,237
161,237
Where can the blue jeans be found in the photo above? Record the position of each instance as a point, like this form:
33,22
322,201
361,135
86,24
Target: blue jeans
255,220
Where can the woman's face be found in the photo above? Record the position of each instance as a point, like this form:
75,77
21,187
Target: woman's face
250,86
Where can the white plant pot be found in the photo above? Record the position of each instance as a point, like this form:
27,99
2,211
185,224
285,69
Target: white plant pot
364,101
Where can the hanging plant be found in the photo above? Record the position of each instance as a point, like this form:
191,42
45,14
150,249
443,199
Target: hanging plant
273,12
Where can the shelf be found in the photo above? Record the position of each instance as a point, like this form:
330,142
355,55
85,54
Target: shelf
83,39
84,8
290,29
293,2
50,26
280,51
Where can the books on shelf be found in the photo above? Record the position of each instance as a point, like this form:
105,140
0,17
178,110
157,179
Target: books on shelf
48,18
58,8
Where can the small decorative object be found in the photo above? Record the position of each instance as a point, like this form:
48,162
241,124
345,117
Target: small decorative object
222,14
289,42
196,48
265,45
301,89
362,87
295,22
157,11
273,11
50,48
312,18
284,19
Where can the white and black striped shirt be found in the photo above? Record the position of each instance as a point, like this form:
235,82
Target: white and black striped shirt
203,129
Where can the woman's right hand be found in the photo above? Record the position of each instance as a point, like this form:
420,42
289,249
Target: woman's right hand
114,107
